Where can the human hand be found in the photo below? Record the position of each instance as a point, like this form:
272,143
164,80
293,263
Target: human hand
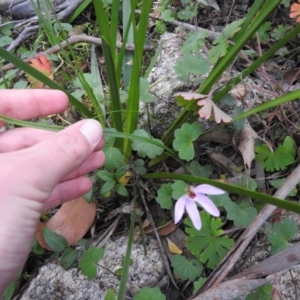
39,170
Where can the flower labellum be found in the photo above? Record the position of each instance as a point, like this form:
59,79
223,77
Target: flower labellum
188,202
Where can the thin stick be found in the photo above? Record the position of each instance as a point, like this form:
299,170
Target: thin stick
70,41
235,253
161,248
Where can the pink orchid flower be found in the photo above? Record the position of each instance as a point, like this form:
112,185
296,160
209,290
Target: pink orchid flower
188,202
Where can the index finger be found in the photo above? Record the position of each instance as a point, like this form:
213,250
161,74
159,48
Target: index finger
30,104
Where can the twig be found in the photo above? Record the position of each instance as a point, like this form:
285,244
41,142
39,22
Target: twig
161,248
70,41
211,34
235,253
257,275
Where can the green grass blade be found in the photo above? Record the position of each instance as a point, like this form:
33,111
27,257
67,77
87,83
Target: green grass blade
113,81
292,206
99,107
106,132
220,68
269,104
44,79
79,10
132,108
45,19
126,264
154,59
114,28
288,37
128,21
256,6
31,124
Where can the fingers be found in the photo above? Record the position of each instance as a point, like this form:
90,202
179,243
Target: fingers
21,138
60,155
33,103
68,190
94,162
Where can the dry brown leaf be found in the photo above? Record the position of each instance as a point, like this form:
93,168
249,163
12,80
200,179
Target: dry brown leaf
239,92
189,95
126,178
214,4
163,230
291,75
166,229
173,248
42,64
220,136
72,221
246,146
137,231
225,162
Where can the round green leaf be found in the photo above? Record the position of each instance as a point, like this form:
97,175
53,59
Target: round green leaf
88,261
147,293
184,138
186,269
68,257
121,190
178,189
164,197
107,187
55,241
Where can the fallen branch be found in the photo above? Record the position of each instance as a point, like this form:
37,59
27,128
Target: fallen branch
260,274
220,273
70,41
211,34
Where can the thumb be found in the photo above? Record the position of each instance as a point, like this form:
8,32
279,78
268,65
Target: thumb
64,152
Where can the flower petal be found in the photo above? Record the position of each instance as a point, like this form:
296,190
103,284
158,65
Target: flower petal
220,115
179,208
193,212
295,7
208,205
207,189
205,110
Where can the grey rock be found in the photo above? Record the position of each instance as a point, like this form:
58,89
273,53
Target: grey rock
53,282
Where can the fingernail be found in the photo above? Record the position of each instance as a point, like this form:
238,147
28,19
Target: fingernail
92,131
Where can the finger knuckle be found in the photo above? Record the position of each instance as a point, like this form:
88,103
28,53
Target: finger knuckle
68,145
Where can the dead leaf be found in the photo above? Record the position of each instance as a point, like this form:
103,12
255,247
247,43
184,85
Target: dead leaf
125,178
239,92
225,162
219,136
189,95
72,220
163,230
42,64
214,4
246,146
173,248
179,238
291,75
137,231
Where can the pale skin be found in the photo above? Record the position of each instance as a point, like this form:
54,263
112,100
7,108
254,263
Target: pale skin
39,170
